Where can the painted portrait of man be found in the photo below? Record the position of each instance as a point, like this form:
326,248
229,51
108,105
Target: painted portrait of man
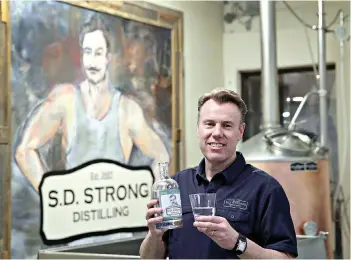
86,87
96,120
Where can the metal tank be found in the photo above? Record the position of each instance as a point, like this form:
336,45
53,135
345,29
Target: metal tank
294,157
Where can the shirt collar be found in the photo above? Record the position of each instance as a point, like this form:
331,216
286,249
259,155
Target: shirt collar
229,174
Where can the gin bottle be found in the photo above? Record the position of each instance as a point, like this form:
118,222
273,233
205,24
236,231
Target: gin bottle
166,191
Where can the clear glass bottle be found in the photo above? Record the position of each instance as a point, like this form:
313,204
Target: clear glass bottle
166,191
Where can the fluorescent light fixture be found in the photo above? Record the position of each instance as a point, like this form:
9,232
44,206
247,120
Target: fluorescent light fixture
286,114
297,99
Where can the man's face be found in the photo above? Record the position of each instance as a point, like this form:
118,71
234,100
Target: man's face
95,57
173,199
219,131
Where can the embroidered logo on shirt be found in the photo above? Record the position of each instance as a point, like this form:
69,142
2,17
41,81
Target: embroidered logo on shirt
235,203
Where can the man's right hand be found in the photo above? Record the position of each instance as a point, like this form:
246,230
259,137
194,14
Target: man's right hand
153,247
152,220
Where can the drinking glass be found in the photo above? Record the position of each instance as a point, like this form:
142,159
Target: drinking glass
203,204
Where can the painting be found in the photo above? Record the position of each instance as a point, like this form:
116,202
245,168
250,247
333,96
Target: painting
89,81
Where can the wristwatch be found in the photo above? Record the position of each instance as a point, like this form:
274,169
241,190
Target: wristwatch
241,245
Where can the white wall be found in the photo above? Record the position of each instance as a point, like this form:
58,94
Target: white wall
241,51
203,32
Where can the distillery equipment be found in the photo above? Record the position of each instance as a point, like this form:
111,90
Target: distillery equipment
295,158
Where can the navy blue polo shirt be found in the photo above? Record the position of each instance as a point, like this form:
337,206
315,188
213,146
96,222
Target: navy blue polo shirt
253,202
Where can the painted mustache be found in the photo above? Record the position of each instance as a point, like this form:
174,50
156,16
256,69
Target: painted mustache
93,69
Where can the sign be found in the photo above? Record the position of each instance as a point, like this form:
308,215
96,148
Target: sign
303,166
97,198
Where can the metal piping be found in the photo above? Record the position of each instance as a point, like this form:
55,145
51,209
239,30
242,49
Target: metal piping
292,125
322,76
270,104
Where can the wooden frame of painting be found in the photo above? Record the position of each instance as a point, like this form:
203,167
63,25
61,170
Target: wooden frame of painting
145,66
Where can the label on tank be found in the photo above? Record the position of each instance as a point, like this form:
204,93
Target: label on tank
311,166
303,166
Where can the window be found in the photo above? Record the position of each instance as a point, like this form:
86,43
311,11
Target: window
294,84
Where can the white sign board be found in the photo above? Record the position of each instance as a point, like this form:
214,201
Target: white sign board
98,198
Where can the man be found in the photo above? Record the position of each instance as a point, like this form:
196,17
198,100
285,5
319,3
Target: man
173,200
95,119
252,211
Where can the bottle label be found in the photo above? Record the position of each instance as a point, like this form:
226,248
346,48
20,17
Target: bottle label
171,204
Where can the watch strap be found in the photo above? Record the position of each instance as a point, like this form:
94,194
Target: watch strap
241,245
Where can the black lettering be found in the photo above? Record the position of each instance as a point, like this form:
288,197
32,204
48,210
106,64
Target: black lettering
86,215
107,175
143,190
118,192
93,211
122,211
118,211
76,216
100,214
99,189
109,192
112,194
66,197
135,192
88,195
125,211
94,176
53,197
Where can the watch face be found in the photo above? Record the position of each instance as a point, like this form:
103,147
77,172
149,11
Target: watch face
241,245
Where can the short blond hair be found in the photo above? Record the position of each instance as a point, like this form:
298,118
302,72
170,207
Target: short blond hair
222,96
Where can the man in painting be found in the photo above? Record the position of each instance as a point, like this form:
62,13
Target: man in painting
95,119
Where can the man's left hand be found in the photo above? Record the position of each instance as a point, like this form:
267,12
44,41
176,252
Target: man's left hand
218,229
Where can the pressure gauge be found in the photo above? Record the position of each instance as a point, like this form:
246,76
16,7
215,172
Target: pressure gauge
310,228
